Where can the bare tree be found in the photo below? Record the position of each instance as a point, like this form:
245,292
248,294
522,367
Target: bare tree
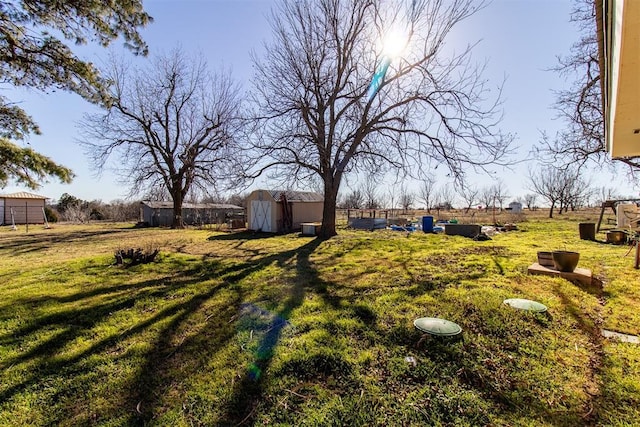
487,197
546,182
437,200
607,193
392,198
315,185
428,191
575,191
370,193
446,196
530,200
156,194
383,200
77,214
170,125
469,194
500,193
238,199
559,186
407,198
120,210
319,114
354,200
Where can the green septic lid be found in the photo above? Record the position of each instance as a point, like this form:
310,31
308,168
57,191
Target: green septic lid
435,326
526,304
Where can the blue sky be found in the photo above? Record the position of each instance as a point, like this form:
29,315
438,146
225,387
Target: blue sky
520,40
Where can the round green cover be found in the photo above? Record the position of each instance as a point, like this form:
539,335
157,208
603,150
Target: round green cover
526,304
435,326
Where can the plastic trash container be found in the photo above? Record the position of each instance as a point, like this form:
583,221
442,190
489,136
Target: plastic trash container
427,224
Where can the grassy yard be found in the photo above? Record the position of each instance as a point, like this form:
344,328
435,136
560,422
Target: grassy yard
244,329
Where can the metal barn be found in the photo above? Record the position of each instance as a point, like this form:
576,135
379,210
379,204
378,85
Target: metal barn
22,208
276,211
160,214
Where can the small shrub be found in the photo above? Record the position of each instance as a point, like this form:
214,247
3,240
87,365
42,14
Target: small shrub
50,214
96,215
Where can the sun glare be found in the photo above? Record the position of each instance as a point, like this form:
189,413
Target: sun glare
393,44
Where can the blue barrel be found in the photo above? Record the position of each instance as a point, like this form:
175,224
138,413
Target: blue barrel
427,224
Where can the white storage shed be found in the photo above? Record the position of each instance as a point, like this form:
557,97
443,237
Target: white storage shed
277,211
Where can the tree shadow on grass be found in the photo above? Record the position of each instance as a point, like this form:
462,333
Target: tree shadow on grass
586,323
248,392
158,375
45,358
142,400
23,244
591,327
241,236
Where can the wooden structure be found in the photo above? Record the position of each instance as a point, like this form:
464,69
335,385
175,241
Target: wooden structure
279,211
368,213
580,275
22,208
613,204
160,214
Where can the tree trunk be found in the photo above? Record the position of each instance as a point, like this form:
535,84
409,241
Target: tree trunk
328,228
177,210
553,205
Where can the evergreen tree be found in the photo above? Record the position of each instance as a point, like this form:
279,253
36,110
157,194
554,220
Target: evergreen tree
32,56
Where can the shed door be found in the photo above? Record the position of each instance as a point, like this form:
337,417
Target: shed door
1,211
261,215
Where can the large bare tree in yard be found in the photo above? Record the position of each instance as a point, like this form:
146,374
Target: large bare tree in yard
171,124
319,115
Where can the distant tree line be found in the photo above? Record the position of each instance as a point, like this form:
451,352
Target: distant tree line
430,196
561,190
72,209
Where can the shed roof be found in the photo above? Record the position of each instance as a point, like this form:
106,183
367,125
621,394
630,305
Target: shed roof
296,196
22,195
169,205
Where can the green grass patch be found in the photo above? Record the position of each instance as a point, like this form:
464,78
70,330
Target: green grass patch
245,329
